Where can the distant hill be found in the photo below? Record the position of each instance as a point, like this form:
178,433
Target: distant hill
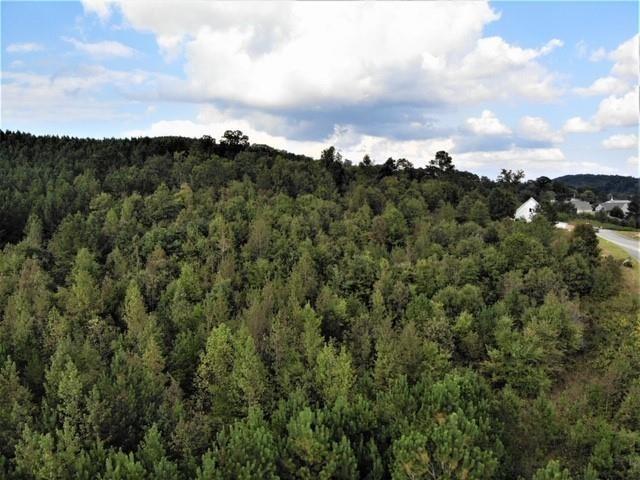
616,185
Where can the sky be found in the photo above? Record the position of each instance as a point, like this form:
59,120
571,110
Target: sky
547,87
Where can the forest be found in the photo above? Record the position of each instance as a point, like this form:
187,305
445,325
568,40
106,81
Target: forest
604,185
175,308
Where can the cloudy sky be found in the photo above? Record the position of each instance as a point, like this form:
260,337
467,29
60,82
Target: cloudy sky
551,88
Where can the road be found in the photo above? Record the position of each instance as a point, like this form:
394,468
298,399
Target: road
631,246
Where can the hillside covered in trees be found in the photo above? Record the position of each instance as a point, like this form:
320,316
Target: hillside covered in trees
176,308
603,185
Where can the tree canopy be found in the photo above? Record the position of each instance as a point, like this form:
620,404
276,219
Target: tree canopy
190,308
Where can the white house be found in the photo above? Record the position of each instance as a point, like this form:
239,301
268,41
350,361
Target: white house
527,210
611,204
581,206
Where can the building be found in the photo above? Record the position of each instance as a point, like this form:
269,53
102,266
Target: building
609,205
581,206
527,210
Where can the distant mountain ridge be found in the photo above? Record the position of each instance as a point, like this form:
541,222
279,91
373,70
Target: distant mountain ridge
617,185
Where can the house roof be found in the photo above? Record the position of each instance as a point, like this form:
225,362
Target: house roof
611,204
527,209
581,204
531,199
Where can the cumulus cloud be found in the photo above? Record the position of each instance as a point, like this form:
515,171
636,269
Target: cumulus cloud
102,8
534,161
626,58
621,141
624,73
536,128
487,124
288,73
620,111
296,55
613,111
512,157
106,48
28,47
347,139
354,144
579,125
73,95
604,86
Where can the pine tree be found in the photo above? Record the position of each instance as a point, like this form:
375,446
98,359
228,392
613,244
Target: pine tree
16,408
247,449
334,376
552,471
152,455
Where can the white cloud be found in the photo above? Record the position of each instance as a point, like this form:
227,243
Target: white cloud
626,58
579,125
24,47
634,163
487,124
624,73
102,49
620,107
613,111
618,111
318,55
513,157
29,96
351,143
604,86
493,54
354,145
621,141
102,8
535,162
536,128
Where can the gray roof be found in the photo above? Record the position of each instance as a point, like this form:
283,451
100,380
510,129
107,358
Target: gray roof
611,204
581,204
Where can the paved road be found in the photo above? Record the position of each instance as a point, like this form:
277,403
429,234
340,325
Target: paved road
630,245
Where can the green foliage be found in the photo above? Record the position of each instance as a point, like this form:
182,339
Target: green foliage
247,450
502,203
517,360
577,274
310,452
185,308
334,374
16,408
553,471
584,241
605,185
152,455
455,439
231,376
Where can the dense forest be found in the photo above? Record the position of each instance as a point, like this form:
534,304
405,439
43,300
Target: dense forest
603,185
176,308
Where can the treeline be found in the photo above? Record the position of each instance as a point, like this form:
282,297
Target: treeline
602,186
177,308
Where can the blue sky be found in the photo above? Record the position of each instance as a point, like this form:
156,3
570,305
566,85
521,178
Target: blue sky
549,87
